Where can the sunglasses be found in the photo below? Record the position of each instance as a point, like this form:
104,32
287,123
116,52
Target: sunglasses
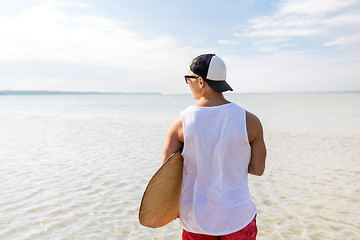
187,78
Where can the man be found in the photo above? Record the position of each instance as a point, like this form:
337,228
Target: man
222,143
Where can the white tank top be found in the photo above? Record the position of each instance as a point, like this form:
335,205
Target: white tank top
215,197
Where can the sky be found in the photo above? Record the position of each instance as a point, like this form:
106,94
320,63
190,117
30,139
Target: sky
146,46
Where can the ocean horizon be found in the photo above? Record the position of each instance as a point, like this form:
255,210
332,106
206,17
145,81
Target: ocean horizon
60,92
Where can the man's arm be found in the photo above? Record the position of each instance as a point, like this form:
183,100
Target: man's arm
174,139
256,140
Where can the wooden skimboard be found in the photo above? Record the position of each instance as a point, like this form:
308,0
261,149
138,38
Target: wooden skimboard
160,202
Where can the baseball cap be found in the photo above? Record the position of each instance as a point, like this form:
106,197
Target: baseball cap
213,70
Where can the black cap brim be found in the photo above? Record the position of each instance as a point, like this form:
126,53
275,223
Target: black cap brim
219,86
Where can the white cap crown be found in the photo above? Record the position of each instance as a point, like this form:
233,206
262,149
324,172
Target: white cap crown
217,69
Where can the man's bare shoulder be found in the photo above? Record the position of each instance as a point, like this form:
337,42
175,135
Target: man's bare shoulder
252,118
177,129
253,125
174,139
177,124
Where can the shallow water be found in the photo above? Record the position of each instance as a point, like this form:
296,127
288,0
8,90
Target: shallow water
75,166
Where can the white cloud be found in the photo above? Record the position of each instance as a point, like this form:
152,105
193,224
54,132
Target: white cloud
332,22
44,35
225,41
344,19
266,49
347,40
80,5
313,6
279,21
44,47
279,32
47,34
291,71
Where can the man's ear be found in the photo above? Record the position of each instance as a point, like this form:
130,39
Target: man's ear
201,82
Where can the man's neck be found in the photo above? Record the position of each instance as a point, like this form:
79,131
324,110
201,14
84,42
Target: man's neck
211,99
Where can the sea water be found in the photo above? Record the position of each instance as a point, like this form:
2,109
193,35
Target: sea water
75,166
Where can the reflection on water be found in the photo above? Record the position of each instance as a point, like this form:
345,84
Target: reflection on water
75,166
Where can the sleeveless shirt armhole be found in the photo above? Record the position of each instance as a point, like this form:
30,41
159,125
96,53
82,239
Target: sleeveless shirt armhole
184,132
246,130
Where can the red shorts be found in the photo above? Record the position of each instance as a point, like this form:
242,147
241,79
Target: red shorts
247,233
